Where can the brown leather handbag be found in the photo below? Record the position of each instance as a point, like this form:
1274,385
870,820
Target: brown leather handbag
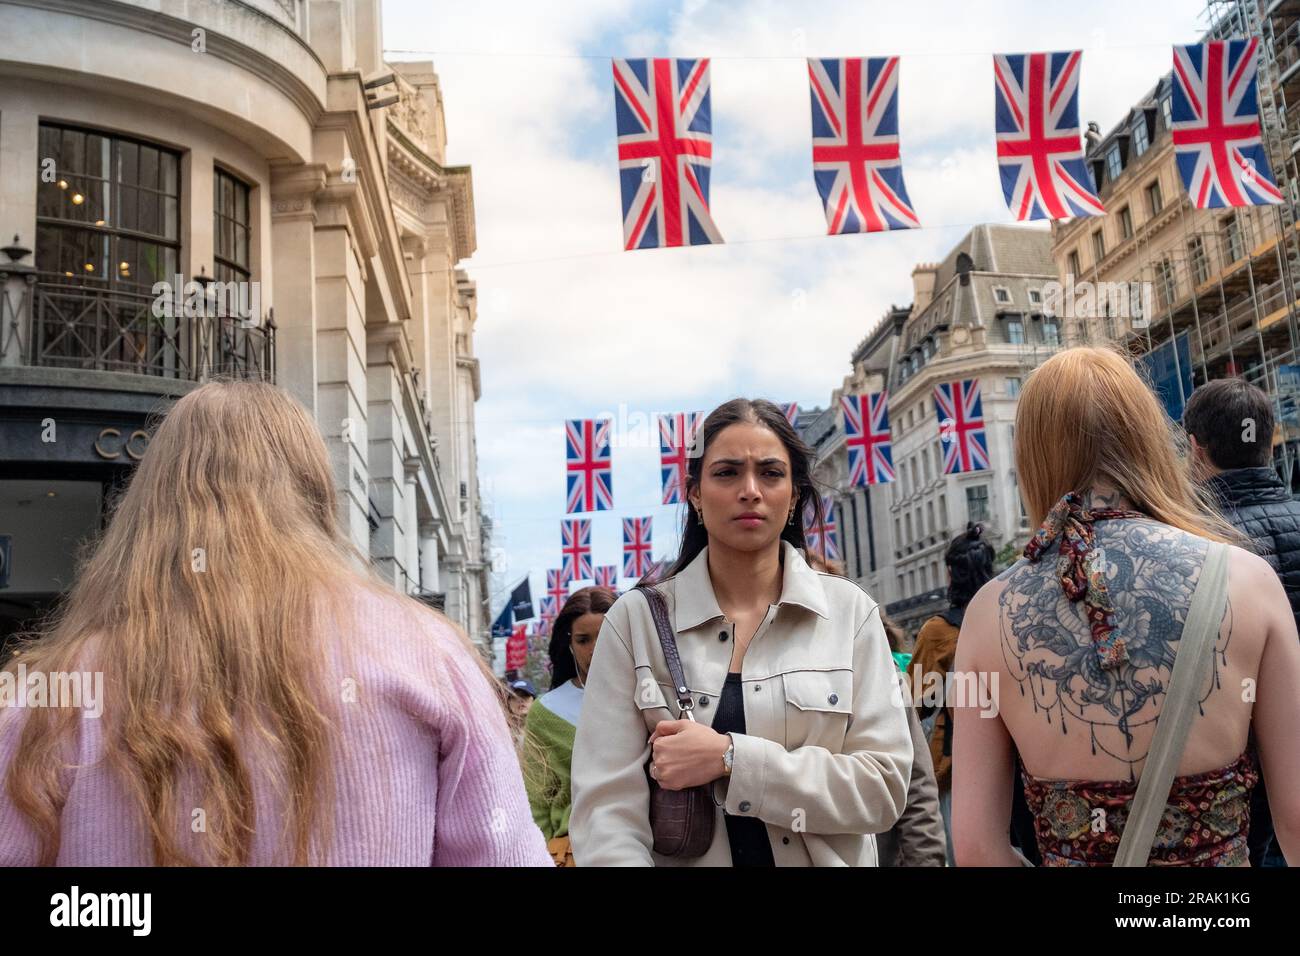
680,820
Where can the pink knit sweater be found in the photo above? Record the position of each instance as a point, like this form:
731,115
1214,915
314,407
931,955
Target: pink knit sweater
426,774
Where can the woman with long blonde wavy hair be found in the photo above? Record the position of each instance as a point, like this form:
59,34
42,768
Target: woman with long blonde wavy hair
1073,648
266,699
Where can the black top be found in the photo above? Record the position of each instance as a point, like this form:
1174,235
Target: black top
1259,505
747,835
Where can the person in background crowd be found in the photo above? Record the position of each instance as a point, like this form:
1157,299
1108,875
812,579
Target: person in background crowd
969,562
521,696
917,839
553,720
1229,425
1078,641
254,668
797,736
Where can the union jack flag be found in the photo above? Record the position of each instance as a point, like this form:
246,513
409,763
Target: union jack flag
856,165
871,454
636,547
549,609
665,152
576,547
791,410
821,537
607,576
557,588
676,432
588,464
1216,130
961,426
1044,175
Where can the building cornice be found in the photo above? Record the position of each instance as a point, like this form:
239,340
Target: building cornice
456,181
217,44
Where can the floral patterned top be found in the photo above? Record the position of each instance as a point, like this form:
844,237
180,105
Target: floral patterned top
1079,822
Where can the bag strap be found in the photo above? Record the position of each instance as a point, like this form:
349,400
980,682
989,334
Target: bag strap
1192,660
668,641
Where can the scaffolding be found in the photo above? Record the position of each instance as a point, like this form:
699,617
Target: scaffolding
1228,279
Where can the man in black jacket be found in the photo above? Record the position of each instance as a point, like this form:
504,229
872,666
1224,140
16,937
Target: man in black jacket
1229,425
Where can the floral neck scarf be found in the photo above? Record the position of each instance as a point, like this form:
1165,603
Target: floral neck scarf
1082,578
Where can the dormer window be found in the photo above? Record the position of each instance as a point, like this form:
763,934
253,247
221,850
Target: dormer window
1140,138
1114,162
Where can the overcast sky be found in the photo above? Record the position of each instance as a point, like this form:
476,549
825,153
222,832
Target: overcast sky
570,326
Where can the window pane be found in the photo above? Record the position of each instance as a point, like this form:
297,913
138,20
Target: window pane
47,249
48,198
51,146
154,263
128,163
128,200
73,157
171,219
150,214
98,159
169,174
126,268
149,167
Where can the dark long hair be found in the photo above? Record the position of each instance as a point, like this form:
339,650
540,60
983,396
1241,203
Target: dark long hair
970,563
757,412
593,600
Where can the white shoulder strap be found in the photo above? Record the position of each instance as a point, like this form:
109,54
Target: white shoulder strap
1192,662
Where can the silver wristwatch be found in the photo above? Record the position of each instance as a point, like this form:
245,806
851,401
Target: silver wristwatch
728,756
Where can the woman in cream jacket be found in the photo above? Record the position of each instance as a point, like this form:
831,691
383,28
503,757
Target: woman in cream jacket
799,730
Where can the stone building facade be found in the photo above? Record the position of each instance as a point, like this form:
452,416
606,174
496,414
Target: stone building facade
264,144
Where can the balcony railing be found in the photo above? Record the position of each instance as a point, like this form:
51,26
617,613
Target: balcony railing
74,325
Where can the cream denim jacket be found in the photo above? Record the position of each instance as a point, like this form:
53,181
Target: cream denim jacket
826,755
